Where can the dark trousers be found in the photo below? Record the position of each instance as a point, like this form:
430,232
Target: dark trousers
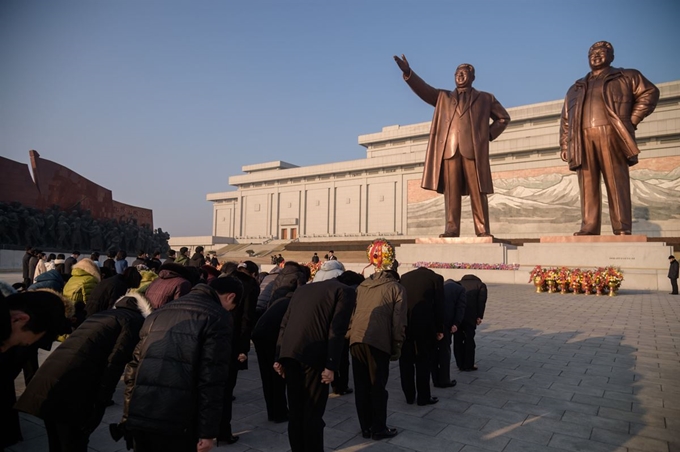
674,285
62,437
341,380
307,398
225,422
464,347
460,174
415,360
371,369
603,154
273,386
441,361
156,442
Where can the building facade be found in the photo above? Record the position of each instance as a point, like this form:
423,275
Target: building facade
535,193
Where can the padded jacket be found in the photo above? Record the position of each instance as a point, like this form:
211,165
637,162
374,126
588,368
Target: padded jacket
78,379
176,380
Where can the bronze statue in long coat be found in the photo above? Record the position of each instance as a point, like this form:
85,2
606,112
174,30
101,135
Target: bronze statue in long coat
457,157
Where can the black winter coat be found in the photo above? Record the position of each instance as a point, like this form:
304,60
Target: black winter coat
314,326
176,380
425,297
197,260
475,296
105,294
244,317
77,380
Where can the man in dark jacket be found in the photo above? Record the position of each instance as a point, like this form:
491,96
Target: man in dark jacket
28,320
673,274
265,334
176,379
70,262
174,281
464,338
197,260
142,259
71,389
171,257
108,267
244,318
425,296
454,310
27,276
308,349
109,290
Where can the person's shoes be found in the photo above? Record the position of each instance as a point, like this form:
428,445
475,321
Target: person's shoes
470,369
231,439
410,401
345,391
387,433
450,384
279,420
430,401
366,433
584,233
110,403
448,234
233,398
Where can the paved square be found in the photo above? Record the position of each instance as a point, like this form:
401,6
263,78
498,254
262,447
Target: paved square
556,373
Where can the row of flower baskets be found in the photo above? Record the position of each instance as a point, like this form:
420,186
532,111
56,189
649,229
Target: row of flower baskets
599,281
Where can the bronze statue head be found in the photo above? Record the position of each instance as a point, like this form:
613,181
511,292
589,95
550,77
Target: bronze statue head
600,55
465,75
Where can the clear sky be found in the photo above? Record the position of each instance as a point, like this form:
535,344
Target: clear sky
161,101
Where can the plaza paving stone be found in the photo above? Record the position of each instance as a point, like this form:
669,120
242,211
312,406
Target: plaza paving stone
556,373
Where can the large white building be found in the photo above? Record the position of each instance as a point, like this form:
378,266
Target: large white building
535,193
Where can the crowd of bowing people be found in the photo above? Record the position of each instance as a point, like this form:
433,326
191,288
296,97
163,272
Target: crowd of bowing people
179,332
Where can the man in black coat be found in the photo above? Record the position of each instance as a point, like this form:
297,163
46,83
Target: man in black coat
673,274
464,339
174,385
72,388
425,298
70,262
308,350
109,290
198,259
27,276
28,320
454,311
265,335
244,318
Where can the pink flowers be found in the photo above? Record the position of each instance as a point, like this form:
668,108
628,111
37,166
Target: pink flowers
466,265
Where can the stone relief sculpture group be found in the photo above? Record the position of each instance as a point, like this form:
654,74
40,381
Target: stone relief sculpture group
597,139
55,228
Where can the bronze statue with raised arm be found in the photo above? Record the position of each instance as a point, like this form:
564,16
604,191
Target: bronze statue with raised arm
597,136
457,157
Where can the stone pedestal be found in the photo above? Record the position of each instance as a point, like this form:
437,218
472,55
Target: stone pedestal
484,252
644,264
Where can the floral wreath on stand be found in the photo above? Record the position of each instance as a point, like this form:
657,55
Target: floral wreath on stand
380,254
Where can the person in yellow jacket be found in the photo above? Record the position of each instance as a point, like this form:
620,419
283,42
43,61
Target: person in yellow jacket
84,277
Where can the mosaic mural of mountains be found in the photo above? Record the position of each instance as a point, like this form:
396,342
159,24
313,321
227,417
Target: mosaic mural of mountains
550,204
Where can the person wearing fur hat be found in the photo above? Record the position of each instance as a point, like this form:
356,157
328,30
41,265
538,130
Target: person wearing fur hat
72,388
174,281
84,278
105,294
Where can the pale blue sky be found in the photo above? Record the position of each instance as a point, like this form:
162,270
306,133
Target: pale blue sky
162,101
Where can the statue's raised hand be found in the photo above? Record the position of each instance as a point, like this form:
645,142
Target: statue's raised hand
403,64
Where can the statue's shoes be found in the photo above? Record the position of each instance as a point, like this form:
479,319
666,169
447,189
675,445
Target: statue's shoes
584,233
448,234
